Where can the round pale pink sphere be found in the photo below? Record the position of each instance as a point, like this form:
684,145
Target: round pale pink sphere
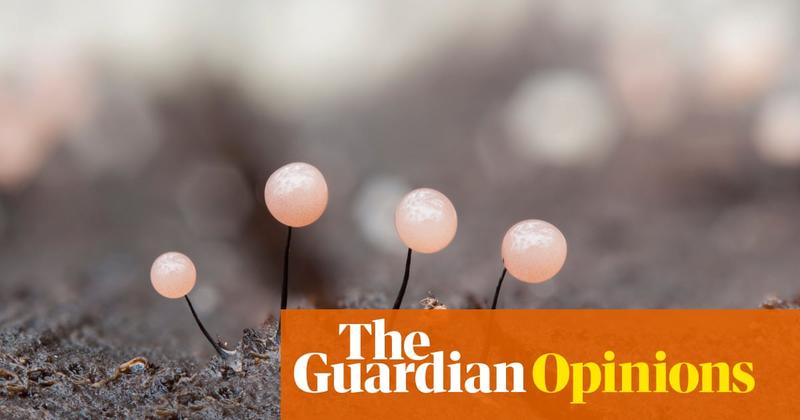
296,194
534,251
426,220
173,275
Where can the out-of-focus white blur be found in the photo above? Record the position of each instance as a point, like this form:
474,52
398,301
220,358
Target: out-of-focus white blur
777,133
62,63
374,209
745,51
563,118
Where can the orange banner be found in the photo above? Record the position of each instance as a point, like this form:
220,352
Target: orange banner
461,364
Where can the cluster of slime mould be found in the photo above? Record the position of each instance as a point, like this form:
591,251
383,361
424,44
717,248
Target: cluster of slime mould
426,221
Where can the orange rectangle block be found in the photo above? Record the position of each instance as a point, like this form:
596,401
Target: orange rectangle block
464,364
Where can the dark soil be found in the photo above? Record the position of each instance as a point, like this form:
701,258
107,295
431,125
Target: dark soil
59,364
67,370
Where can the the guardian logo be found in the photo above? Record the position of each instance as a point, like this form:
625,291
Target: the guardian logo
408,365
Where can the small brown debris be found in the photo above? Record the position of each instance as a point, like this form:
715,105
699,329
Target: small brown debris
13,384
133,365
431,302
262,356
777,303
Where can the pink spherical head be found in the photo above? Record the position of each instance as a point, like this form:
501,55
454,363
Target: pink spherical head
296,194
173,275
426,220
534,251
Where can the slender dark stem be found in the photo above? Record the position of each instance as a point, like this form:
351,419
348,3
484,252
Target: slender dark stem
399,300
499,285
217,347
285,287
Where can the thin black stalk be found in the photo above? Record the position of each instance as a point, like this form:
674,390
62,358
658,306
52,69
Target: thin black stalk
399,300
222,352
499,285
285,287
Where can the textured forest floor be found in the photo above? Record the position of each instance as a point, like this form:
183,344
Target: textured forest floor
62,367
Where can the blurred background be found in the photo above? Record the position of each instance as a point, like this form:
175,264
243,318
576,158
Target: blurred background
662,138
